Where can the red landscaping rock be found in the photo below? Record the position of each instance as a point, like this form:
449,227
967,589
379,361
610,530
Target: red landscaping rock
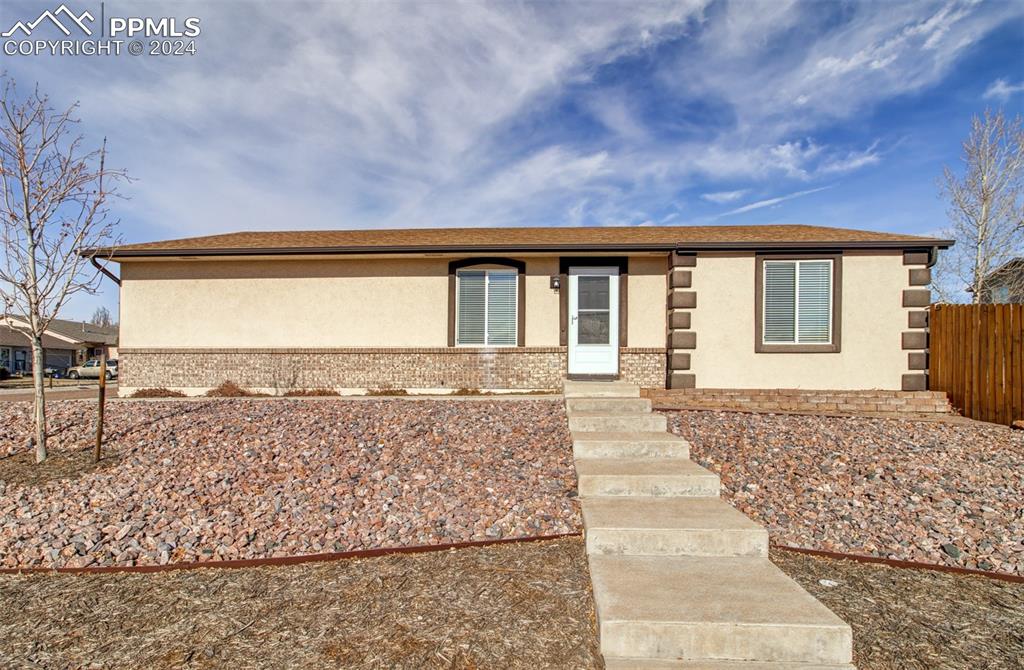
240,478
934,492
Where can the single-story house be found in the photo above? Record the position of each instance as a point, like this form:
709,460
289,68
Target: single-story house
65,344
756,307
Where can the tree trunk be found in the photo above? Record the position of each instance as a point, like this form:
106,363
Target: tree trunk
38,368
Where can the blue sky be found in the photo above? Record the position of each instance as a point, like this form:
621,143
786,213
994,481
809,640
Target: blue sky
366,115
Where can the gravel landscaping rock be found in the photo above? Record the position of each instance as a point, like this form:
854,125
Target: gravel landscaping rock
245,478
950,493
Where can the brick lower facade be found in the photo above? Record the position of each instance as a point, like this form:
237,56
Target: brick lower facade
370,368
802,400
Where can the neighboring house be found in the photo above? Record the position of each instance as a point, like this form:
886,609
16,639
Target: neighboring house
1005,284
522,308
16,352
92,340
65,343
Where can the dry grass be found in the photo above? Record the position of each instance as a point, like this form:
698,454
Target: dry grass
311,393
917,619
525,605
482,392
230,389
157,393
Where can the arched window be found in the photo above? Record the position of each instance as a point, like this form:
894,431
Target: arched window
486,302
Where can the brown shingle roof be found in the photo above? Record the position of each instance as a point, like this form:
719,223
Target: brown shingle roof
13,338
85,332
521,239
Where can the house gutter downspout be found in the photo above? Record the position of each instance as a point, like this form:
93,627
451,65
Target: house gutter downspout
114,278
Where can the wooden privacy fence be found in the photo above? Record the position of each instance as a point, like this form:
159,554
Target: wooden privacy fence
977,357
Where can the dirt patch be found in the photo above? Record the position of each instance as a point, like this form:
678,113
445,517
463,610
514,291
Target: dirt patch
917,619
62,465
524,605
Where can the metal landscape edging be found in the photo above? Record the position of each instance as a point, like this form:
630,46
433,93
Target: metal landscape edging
896,563
287,560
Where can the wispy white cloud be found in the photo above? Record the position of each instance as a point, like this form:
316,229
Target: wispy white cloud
1001,90
760,204
853,160
796,70
722,197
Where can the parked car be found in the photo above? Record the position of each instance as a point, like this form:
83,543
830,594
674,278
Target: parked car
91,370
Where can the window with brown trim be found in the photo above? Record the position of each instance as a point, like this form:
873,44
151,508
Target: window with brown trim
486,306
798,303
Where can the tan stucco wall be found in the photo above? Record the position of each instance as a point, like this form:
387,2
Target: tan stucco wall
289,303
338,303
872,321
648,286
541,303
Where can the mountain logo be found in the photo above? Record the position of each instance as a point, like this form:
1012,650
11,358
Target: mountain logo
63,10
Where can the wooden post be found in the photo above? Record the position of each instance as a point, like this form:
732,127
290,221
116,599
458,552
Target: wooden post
102,402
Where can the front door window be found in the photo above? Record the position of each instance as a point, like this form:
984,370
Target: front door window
594,310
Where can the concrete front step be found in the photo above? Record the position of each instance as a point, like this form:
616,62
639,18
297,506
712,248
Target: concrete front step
663,664
712,609
573,389
603,422
670,527
644,477
656,444
608,405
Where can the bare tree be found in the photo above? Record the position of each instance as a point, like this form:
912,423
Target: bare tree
55,197
985,209
101,317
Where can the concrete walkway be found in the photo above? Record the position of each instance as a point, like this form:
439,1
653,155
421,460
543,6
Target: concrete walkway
681,579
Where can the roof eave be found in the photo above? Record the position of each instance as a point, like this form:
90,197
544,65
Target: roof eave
804,244
116,254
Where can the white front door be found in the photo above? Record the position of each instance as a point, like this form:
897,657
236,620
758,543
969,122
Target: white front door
593,321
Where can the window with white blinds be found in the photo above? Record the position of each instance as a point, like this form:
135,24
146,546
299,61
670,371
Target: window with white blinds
798,302
485,307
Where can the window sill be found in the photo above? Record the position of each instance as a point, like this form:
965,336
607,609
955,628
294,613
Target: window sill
797,348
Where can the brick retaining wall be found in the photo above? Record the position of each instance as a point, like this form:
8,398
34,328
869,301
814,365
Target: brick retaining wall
804,400
370,368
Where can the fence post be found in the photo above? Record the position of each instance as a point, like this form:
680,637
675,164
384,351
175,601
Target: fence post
100,407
